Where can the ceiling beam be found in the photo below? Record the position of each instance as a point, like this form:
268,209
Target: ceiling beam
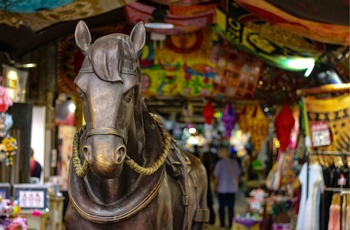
18,42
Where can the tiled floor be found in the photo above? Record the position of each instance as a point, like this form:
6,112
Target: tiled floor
240,207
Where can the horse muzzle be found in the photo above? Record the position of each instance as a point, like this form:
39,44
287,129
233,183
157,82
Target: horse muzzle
105,160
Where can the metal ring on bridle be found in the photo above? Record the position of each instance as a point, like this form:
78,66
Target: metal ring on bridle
82,170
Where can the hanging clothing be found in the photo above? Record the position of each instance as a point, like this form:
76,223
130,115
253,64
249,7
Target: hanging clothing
326,200
311,179
335,215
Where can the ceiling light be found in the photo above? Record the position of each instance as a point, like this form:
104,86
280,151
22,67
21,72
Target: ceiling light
71,107
300,63
18,64
26,65
192,130
159,25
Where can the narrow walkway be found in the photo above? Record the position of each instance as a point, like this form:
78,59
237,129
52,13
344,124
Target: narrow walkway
240,207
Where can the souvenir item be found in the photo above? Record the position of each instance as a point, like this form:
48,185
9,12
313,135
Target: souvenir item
229,118
284,123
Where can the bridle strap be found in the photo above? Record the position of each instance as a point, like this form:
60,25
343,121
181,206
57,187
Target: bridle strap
81,170
104,131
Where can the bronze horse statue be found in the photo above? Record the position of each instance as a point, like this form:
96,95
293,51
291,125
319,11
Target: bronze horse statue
161,186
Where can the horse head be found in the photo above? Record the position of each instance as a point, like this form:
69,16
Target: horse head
108,84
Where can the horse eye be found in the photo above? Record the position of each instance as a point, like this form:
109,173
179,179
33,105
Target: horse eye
129,95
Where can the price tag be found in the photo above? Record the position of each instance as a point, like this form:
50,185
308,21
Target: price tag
320,133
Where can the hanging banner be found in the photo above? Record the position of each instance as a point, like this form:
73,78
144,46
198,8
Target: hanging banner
332,114
183,23
43,18
327,32
182,65
198,64
274,45
237,73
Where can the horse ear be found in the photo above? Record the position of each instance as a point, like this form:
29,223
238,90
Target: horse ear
138,36
82,36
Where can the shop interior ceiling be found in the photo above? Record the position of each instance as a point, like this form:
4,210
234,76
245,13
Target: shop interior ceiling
26,25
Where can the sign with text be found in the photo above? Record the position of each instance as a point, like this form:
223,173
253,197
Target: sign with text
320,133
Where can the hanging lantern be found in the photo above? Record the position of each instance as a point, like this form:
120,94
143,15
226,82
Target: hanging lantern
243,119
208,113
257,125
229,118
284,123
187,113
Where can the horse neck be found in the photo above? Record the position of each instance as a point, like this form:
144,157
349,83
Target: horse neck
109,190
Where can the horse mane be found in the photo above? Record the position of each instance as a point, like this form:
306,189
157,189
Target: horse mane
109,52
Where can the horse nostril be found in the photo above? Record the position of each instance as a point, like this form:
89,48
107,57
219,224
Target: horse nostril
120,153
86,152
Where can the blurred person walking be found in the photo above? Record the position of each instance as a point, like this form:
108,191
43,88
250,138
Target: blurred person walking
208,162
35,167
227,173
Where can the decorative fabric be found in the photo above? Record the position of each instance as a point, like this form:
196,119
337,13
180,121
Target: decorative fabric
183,23
278,86
183,65
29,6
308,216
271,43
237,73
335,112
73,11
327,32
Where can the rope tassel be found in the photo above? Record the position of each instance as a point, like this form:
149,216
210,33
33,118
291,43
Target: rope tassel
80,170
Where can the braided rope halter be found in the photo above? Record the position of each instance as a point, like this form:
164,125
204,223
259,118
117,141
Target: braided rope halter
81,170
